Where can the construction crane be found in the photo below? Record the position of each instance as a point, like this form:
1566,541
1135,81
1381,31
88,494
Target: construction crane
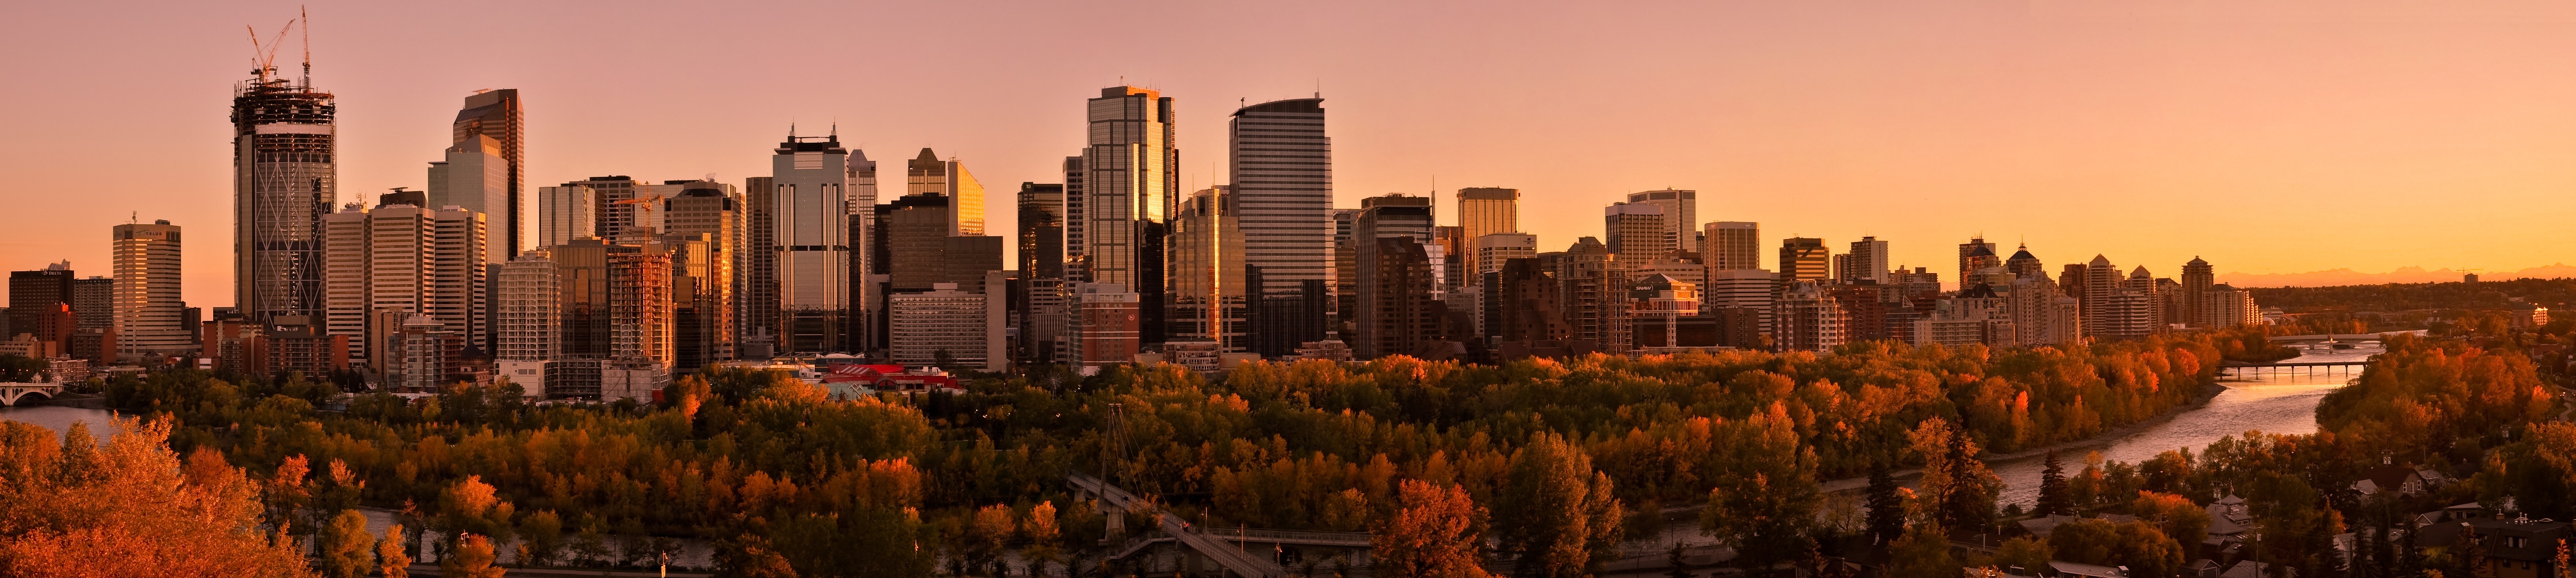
644,207
263,58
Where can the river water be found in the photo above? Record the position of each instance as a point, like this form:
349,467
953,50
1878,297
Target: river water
102,423
2283,400
2279,401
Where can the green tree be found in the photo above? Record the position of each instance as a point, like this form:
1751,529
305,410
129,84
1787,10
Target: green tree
1556,515
2053,499
1924,550
541,538
1886,506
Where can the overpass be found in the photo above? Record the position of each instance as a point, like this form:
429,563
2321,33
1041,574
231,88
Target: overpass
1233,557
12,393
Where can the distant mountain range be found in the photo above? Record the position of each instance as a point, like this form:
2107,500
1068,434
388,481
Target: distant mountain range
2334,277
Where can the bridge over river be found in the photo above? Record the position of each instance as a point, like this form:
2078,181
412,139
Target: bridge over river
12,393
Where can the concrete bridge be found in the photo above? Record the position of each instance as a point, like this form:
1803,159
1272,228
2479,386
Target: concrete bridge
2342,336
12,393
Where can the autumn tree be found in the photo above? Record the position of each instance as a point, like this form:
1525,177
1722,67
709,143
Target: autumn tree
472,558
391,560
348,551
2139,545
2177,516
130,508
1765,502
1433,532
470,507
1555,514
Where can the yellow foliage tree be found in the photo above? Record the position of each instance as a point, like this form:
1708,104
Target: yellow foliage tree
129,509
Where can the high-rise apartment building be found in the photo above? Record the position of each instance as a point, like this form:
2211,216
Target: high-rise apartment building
1638,231
1526,307
1488,210
1281,166
809,180
2042,314
1804,259
146,299
1807,318
1493,250
2197,278
285,178
1595,295
1976,255
1681,214
1129,189
407,259
2024,265
1399,310
529,320
1731,245
1746,289
1867,261
496,115
2100,282
565,213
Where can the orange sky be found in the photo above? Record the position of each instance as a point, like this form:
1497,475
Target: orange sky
2264,136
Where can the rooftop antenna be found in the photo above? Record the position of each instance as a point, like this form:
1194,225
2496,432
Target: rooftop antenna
1319,87
836,128
301,15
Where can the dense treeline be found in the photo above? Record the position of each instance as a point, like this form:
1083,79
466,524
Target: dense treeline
2393,297
1548,455
2436,403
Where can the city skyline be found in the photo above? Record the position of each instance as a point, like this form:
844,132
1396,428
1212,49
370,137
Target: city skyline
2335,149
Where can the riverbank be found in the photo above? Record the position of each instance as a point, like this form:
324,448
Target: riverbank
1681,522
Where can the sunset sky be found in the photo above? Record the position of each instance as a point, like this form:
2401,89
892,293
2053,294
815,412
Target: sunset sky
2266,137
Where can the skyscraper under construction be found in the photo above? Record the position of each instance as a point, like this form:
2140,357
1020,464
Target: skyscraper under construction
285,175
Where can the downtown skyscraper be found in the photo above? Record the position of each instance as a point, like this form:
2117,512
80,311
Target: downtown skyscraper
1282,167
285,178
810,232
1128,192
485,170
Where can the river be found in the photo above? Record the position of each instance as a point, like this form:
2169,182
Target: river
2281,402
102,423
